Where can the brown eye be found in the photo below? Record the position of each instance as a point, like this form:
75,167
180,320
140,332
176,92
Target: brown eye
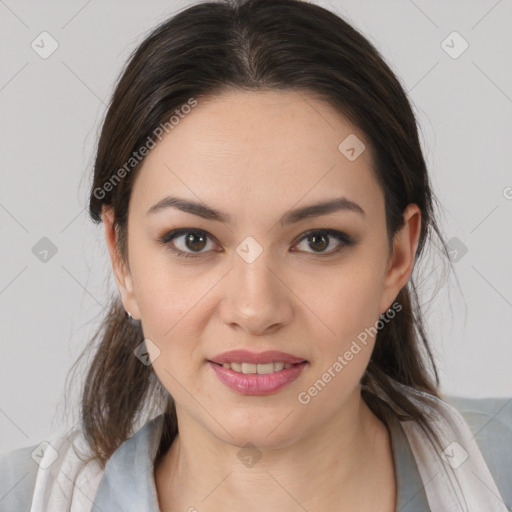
195,241
186,242
320,240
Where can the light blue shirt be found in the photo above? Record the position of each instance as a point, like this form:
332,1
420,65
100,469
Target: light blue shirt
128,482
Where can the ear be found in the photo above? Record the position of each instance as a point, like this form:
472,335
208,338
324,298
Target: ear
121,269
401,261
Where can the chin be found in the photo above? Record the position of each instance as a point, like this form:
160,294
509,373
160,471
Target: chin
268,433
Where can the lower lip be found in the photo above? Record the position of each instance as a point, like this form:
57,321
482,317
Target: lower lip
254,383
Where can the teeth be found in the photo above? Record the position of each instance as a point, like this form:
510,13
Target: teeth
249,368
260,369
263,368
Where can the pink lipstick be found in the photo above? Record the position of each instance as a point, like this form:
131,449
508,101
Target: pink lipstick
253,373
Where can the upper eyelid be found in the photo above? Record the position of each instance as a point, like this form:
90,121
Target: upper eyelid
178,232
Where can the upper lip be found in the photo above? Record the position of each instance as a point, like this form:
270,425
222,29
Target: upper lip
245,356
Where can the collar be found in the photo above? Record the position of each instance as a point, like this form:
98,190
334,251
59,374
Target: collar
128,483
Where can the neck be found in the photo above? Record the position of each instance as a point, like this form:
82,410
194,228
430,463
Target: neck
353,450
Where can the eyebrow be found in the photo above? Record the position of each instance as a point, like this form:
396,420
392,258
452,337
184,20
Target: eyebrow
290,217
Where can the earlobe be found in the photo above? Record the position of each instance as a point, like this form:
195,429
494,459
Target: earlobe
121,272
401,262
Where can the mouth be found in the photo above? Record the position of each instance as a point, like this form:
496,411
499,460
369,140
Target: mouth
247,357
260,368
251,373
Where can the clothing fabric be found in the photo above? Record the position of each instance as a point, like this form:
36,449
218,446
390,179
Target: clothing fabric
472,474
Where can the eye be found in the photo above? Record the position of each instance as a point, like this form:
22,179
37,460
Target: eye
187,239
179,241
319,240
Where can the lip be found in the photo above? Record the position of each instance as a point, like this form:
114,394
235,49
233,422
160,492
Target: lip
254,383
245,356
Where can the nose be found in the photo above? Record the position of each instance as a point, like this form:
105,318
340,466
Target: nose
257,298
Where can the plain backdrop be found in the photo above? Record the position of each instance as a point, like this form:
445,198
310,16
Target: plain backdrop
51,111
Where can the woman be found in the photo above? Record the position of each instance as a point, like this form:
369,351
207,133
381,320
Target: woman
265,200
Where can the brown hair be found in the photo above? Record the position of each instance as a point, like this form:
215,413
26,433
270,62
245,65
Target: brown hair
258,45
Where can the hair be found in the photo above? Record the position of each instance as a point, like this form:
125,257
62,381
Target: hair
257,45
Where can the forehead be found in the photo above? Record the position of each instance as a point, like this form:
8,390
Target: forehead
241,147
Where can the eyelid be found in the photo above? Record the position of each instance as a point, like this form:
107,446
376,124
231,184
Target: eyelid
168,237
344,240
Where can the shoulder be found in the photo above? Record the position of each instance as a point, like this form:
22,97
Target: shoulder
18,472
46,473
490,420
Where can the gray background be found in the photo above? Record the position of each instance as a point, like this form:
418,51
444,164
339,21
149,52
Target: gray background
51,113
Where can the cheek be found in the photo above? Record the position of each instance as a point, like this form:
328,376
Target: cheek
172,302
349,302
164,294
349,307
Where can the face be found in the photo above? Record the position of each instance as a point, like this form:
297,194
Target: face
256,277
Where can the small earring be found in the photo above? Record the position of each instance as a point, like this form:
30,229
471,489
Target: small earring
131,319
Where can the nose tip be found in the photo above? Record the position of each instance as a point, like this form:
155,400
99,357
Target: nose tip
257,312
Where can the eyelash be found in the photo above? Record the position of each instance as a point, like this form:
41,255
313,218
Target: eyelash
167,238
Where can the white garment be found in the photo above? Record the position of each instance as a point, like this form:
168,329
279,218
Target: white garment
53,491
455,479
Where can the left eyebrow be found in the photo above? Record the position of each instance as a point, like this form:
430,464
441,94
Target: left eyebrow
290,217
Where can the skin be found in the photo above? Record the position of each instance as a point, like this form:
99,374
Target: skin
256,155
